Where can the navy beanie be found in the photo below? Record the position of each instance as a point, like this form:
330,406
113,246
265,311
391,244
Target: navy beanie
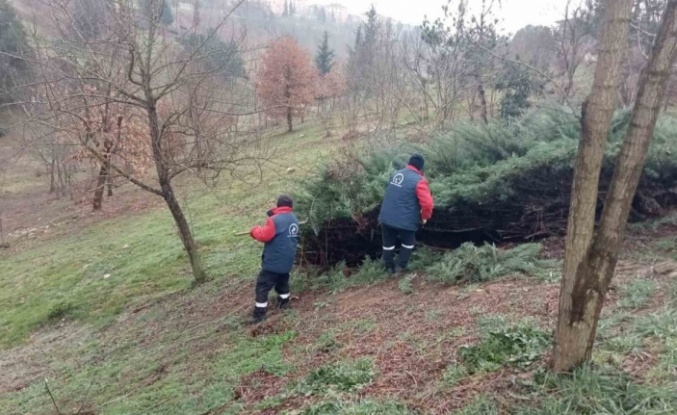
417,161
285,200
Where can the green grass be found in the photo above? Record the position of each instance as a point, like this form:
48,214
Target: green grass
637,293
361,407
598,391
97,272
344,376
140,379
518,346
161,362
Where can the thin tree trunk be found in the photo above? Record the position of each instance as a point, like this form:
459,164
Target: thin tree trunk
109,180
170,198
484,112
52,179
290,125
630,164
184,232
578,312
594,277
97,202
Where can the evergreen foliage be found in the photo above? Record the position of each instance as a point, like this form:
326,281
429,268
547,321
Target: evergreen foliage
217,55
516,85
475,264
324,59
507,180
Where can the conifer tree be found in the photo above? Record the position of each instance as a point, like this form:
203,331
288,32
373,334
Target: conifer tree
324,59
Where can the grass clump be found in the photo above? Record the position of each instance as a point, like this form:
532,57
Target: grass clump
405,285
362,407
519,347
339,377
637,294
61,310
661,324
482,405
474,264
371,272
453,374
591,392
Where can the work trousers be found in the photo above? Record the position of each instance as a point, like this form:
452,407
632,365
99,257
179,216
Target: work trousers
267,281
390,238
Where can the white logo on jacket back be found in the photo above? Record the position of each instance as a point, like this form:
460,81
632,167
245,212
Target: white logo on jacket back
293,230
397,180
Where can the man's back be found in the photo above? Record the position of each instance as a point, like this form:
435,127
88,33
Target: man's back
401,208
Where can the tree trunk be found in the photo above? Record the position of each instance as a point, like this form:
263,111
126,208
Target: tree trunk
582,295
52,176
290,125
97,202
109,180
168,195
184,232
484,112
628,170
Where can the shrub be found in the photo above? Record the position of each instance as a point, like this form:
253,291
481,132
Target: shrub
509,179
478,264
519,346
341,377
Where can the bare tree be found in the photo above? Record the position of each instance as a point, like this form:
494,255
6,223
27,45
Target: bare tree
591,256
168,103
574,36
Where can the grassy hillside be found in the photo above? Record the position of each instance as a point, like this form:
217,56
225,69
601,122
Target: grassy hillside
102,307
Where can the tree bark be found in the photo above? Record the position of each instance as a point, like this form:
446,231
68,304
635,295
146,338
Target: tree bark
109,180
572,337
483,102
290,125
97,202
51,170
184,232
167,190
590,262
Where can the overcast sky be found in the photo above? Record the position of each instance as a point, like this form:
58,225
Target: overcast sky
514,14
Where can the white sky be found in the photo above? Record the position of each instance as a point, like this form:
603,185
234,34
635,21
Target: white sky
514,14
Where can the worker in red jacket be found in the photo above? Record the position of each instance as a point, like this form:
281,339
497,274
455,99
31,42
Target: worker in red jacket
407,205
280,236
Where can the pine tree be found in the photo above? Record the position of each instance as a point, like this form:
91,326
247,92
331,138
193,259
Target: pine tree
292,8
324,60
285,12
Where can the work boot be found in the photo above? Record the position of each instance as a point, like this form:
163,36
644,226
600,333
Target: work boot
405,256
389,261
283,303
259,315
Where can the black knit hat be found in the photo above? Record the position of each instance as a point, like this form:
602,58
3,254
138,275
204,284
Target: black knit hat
417,161
285,200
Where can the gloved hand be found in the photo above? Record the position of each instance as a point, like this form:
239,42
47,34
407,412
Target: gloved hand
424,221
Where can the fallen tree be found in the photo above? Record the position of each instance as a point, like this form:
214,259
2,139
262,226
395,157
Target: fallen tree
505,181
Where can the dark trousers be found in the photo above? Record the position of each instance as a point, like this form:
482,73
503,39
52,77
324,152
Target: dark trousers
390,238
267,281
